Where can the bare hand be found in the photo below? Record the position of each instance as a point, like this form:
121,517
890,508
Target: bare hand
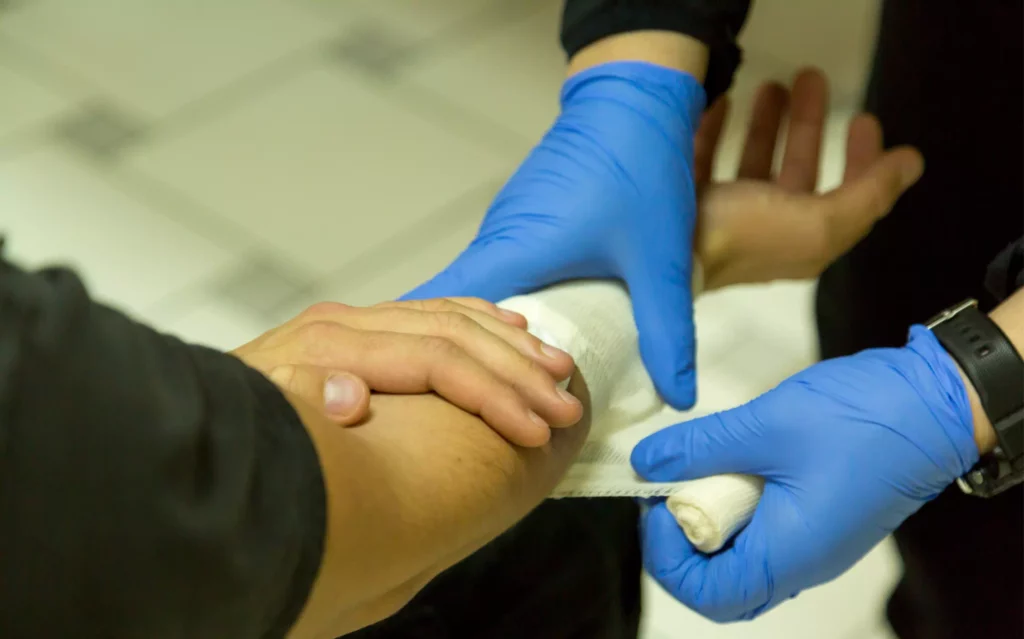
468,351
762,227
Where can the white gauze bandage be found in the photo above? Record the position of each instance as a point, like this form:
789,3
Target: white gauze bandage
593,322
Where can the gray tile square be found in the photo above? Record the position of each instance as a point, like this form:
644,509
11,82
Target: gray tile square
100,130
372,48
260,285
8,5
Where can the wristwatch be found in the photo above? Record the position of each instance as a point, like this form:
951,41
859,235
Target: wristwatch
996,370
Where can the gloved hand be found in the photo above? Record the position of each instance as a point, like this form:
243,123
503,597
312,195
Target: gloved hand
849,448
608,193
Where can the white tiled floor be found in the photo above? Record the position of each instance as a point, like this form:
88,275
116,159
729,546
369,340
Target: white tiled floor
212,322
153,56
415,20
26,102
56,207
331,167
357,183
510,76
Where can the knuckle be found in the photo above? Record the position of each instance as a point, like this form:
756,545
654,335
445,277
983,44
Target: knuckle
441,305
481,302
532,343
319,332
324,309
530,382
441,347
422,305
533,372
453,323
504,392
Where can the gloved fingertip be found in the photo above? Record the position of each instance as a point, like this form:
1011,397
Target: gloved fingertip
669,359
652,459
639,458
681,392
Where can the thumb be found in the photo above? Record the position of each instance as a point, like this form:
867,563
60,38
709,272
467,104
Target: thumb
344,397
490,270
733,584
663,311
853,208
728,442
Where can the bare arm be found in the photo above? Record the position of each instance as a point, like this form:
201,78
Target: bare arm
417,488
673,50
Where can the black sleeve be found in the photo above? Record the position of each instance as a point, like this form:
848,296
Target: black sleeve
716,23
148,488
1006,273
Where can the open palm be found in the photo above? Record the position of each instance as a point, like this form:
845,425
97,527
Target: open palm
763,227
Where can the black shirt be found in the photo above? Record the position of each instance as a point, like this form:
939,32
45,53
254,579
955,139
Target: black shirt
1006,273
148,488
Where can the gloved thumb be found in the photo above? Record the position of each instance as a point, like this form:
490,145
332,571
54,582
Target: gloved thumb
663,311
490,270
728,442
730,585
344,397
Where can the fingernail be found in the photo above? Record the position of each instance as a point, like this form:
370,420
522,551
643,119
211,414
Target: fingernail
567,397
551,351
537,419
341,395
912,173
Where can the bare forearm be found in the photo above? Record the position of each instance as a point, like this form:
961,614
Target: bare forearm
1009,316
417,488
665,48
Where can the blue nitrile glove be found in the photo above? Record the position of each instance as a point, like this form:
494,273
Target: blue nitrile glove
849,448
608,193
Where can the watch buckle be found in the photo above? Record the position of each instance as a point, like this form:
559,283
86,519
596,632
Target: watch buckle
950,313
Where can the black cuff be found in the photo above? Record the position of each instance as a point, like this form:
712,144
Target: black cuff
1006,273
716,23
148,488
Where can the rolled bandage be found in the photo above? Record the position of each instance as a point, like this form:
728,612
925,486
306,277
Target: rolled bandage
593,322
713,509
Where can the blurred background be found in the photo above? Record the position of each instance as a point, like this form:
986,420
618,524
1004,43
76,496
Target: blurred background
214,167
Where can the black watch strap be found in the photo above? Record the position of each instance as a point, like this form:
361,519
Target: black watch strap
996,370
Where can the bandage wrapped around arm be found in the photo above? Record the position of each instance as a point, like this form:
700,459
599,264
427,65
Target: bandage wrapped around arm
593,322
